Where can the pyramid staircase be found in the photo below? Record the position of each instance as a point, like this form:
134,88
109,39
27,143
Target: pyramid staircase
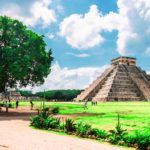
121,82
94,87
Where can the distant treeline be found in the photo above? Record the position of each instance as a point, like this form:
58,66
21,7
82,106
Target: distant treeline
66,95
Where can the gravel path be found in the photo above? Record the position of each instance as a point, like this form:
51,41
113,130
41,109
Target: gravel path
15,134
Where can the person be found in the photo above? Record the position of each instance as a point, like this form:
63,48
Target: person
95,102
17,104
31,104
7,105
86,104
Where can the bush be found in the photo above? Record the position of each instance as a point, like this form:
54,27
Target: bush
61,126
55,110
38,121
2,104
45,112
70,126
116,136
52,123
48,111
45,123
83,129
101,134
139,139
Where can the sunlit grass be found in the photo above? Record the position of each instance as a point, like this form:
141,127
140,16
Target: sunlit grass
133,115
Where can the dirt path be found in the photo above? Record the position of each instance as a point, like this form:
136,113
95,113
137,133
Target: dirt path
15,134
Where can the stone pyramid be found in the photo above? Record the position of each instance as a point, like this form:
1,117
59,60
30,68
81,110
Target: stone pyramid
122,81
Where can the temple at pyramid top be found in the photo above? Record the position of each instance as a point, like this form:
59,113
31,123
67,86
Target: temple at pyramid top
122,81
124,60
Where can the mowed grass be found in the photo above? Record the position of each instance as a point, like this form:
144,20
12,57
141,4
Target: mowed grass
133,115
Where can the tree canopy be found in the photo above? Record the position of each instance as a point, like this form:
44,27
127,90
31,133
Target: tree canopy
65,95
23,56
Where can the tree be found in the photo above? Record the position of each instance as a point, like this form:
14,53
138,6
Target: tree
66,95
23,56
25,93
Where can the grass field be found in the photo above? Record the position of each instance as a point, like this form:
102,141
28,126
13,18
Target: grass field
133,115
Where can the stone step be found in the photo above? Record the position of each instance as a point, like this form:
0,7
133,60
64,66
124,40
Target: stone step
118,99
121,74
124,99
122,78
125,94
124,90
123,85
122,82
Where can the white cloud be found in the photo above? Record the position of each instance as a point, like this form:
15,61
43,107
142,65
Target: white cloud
36,12
82,31
65,78
50,35
40,11
132,23
82,55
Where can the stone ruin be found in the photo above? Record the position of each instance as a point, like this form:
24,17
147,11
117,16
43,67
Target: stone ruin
122,81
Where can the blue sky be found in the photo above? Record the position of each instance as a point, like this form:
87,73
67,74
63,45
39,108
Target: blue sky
85,35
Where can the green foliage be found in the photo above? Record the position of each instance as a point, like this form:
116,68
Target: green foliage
45,123
83,129
23,55
45,112
38,122
62,126
139,139
55,110
66,95
52,123
25,93
70,126
116,135
2,104
102,134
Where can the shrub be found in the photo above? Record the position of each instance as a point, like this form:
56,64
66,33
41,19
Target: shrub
37,121
101,134
139,139
55,110
70,126
52,123
61,126
92,132
116,136
2,104
45,112
45,123
83,129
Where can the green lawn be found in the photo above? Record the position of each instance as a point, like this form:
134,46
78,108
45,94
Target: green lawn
133,115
